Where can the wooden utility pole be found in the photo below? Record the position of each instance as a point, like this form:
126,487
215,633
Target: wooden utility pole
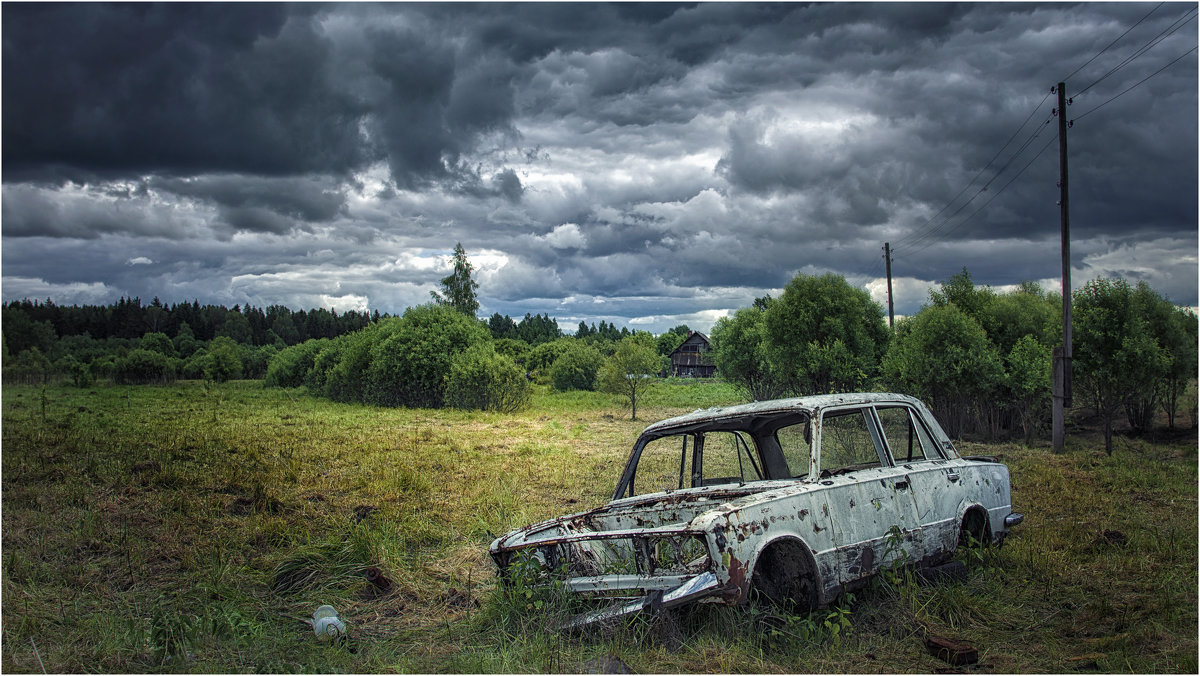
1062,356
887,256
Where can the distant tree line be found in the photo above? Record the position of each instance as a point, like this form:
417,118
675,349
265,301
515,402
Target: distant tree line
128,342
981,359
129,318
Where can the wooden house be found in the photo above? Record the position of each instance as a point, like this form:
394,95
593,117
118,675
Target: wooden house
689,359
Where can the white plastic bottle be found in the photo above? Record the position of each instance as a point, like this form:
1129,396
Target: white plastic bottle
326,624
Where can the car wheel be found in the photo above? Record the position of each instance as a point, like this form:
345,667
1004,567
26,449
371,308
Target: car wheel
974,531
784,577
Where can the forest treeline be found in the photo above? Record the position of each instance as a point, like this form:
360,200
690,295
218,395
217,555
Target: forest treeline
131,342
980,358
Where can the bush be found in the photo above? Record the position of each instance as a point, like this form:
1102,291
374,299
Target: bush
943,356
576,368
517,350
479,378
291,365
409,366
823,335
160,343
224,360
349,379
542,357
142,367
327,357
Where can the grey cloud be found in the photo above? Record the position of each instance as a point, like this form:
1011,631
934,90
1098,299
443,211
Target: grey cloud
308,199
33,211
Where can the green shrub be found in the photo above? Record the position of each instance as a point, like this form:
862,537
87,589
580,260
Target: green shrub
943,356
576,368
479,378
516,349
290,366
327,357
349,379
409,366
142,367
160,343
542,357
224,360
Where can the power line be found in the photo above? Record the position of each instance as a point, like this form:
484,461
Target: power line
994,195
926,239
1163,35
927,236
1139,21
1092,110
913,238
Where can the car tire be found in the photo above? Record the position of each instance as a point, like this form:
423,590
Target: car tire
784,577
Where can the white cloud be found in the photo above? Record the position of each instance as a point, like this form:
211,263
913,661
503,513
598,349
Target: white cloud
140,260
566,236
73,293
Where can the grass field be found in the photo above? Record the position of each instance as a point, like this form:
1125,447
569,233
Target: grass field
191,528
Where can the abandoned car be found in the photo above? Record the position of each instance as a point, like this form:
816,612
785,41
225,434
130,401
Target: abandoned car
794,499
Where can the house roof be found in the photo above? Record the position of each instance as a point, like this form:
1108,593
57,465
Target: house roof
689,337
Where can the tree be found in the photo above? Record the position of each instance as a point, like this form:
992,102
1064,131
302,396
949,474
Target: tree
160,343
631,370
1116,358
1027,378
672,339
224,360
823,335
1180,342
479,378
409,365
943,356
576,367
141,367
458,289
739,351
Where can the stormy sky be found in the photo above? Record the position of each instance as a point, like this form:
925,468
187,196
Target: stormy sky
642,164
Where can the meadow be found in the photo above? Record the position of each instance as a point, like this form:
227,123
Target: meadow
192,528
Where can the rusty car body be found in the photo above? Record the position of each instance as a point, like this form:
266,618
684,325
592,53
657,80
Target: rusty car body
795,499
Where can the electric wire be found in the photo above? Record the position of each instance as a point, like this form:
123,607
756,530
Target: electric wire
923,242
920,240
913,238
1139,21
924,238
1114,98
994,195
1163,35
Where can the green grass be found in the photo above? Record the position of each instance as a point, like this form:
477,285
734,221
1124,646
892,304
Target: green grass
191,528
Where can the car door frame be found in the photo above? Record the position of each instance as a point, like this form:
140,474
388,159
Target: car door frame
868,503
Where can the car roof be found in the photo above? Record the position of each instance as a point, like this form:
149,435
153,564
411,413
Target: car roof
810,405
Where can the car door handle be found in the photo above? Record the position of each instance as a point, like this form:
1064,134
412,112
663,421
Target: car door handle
901,485
952,476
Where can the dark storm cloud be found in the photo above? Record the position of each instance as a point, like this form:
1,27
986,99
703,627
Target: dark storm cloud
125,89
606,160
307,199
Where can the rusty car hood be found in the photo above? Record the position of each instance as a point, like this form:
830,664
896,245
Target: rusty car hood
669,511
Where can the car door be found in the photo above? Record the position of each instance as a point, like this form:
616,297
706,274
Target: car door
933,480
873,512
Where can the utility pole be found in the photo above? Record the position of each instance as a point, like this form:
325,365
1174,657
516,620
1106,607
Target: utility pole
887,256
1062,356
